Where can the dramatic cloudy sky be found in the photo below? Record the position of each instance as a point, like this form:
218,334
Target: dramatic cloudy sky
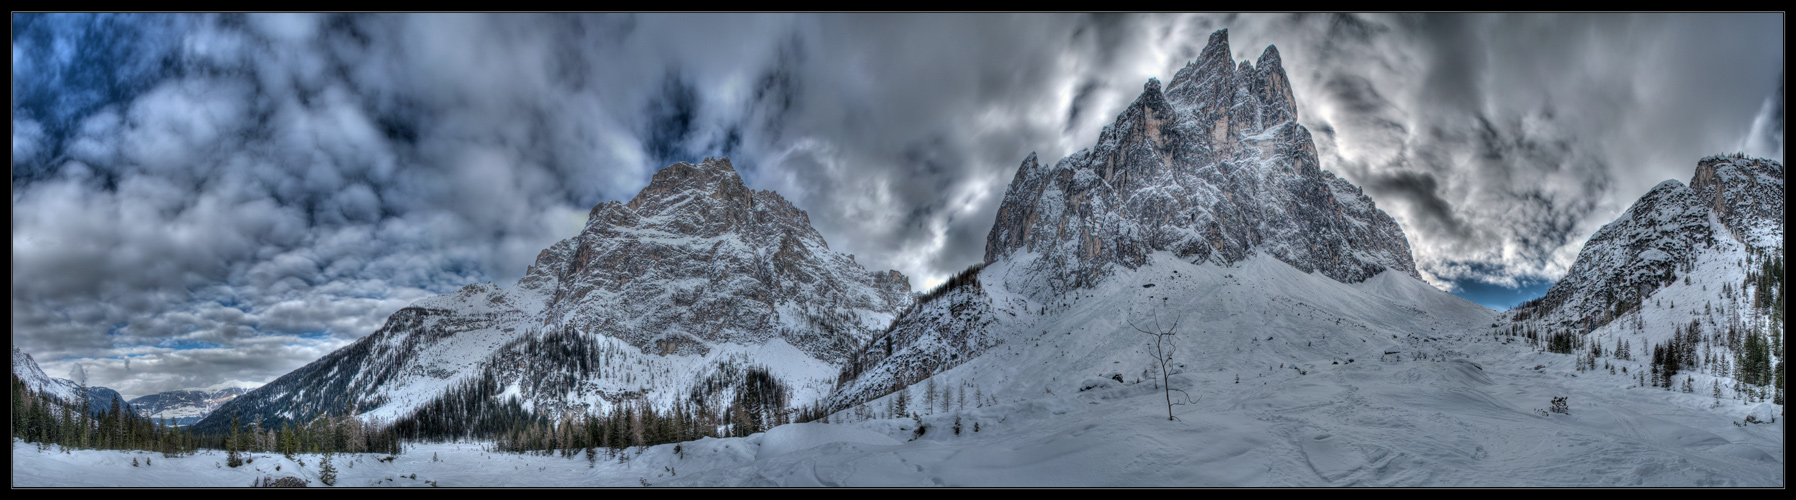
203,200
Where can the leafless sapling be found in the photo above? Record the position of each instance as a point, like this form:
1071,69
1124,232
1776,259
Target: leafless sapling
1165,344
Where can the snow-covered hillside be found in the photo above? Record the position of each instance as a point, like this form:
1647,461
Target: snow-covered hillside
1386,382
26,369
61,389
694,280
1258,315
183,407
1694,271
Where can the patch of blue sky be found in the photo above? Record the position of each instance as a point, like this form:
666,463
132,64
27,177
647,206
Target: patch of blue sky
233,303
184,345
1500,297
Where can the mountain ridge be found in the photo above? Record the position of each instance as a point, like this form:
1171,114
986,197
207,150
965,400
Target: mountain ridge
1213,170
183,407
695,277
62,390
1729,200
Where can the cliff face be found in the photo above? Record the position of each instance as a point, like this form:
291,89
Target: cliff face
697,258
1732,205
1213,168
637,306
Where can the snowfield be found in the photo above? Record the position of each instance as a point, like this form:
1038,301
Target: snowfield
1387,382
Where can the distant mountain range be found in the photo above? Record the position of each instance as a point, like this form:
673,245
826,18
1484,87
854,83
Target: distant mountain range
183,408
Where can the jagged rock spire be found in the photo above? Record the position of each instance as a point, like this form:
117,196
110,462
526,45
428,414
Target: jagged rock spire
1214,168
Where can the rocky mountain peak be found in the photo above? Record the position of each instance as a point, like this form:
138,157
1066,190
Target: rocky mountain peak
1746,194
707,199
696,272
1273,88
1662,235
1215,168
698,224
714,178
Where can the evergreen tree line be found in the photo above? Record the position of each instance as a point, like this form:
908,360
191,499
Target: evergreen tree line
322,434
42,419
473,409
760,402
1751,352
882,346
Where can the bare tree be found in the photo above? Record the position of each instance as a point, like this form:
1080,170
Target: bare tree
1165,344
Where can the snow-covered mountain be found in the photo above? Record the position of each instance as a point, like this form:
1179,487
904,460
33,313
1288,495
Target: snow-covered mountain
1695,267
61,389
1733,206
183,407
1305,351
1213,170
695,279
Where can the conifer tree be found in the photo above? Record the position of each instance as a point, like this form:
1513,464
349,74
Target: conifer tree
231,440
326,473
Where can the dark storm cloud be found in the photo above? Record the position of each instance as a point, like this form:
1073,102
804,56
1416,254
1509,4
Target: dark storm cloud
222,198
670,121
1534,129
1430,208
66,66
909,144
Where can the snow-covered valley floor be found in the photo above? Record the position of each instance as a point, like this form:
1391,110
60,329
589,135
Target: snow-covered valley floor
1408,423
1411,423
1297,380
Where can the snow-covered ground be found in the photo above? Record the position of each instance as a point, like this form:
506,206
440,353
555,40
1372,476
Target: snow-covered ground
1382,383
1417,423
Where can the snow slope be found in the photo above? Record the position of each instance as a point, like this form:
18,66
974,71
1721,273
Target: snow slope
99,399
26,369
697,277
1449,406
